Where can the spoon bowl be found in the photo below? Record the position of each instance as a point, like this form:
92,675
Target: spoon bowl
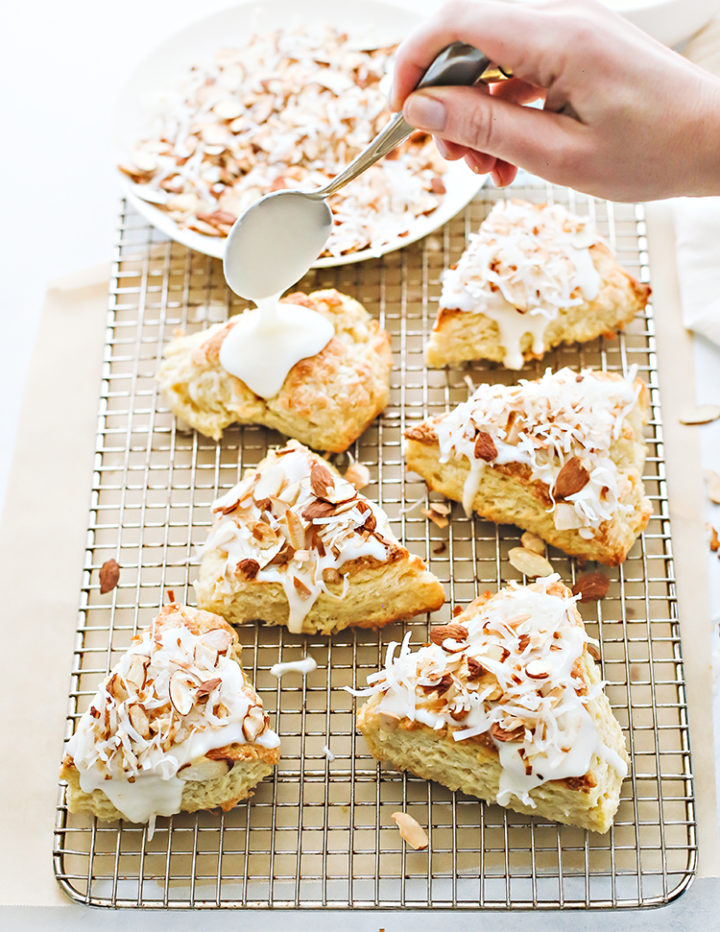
292,227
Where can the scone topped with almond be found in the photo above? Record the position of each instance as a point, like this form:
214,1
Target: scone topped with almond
506,704
176,726
326,401
561,456
532,277
295,544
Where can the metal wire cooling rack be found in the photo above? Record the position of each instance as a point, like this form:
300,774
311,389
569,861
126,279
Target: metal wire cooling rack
319,832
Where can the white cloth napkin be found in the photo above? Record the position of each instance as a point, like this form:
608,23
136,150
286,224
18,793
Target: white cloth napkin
697,234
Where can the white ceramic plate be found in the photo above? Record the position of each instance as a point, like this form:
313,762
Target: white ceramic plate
368,22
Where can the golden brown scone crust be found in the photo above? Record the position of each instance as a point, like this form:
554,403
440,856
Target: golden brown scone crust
248,763
459,336
507,495
473,766
326,401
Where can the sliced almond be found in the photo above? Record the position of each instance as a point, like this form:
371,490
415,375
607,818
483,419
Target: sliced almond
204,769
253,723
714,540
532,542
247,568
228,109
182,695
573,477
438,519
411,831
485,448
139,720
358,475
295,530
109,576
529,563
537,670
504,734
137,671
207,686
566,518
475,668
321,479
218,639
713,485
591,586
700,414
388,720
331,577
453,631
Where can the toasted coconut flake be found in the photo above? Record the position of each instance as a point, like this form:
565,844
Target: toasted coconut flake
411,831
529,563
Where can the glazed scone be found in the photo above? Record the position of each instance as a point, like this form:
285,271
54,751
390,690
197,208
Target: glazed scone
532,277
326,400
505,704
296,544
175,727
561,456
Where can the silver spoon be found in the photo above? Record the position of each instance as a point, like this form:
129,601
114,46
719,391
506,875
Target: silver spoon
276,240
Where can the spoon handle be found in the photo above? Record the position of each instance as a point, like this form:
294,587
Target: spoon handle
459,63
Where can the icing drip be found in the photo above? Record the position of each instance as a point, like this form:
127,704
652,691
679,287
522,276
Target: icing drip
268,340
525,263
515,678
295,522
543,424
304,666
171,698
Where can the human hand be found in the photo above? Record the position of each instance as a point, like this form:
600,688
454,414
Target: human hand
624,117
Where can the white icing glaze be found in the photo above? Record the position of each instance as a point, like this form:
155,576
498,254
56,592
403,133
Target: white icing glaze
300,551
304,666
141,773
268,340
525,264
542,424
539,724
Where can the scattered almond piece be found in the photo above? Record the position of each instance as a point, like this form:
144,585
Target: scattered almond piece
700,414
358,475
713,485
410,829
714,540
591,586
529,563
109,576
440,548
436,517
532,542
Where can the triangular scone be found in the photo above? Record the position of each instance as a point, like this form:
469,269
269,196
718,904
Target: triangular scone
295,544
561,456
175,727
326,400
532,277
505,704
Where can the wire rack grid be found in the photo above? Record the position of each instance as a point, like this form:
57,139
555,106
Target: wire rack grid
319,833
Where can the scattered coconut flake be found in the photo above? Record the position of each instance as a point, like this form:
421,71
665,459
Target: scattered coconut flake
328,753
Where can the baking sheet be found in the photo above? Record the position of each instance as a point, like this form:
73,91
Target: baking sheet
319,832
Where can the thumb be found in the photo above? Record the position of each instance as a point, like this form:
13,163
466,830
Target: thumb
545,143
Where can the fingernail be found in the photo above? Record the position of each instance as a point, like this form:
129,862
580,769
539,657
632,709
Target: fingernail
425,112
441,146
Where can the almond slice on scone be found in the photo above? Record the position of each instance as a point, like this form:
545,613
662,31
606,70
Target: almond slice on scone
294,543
